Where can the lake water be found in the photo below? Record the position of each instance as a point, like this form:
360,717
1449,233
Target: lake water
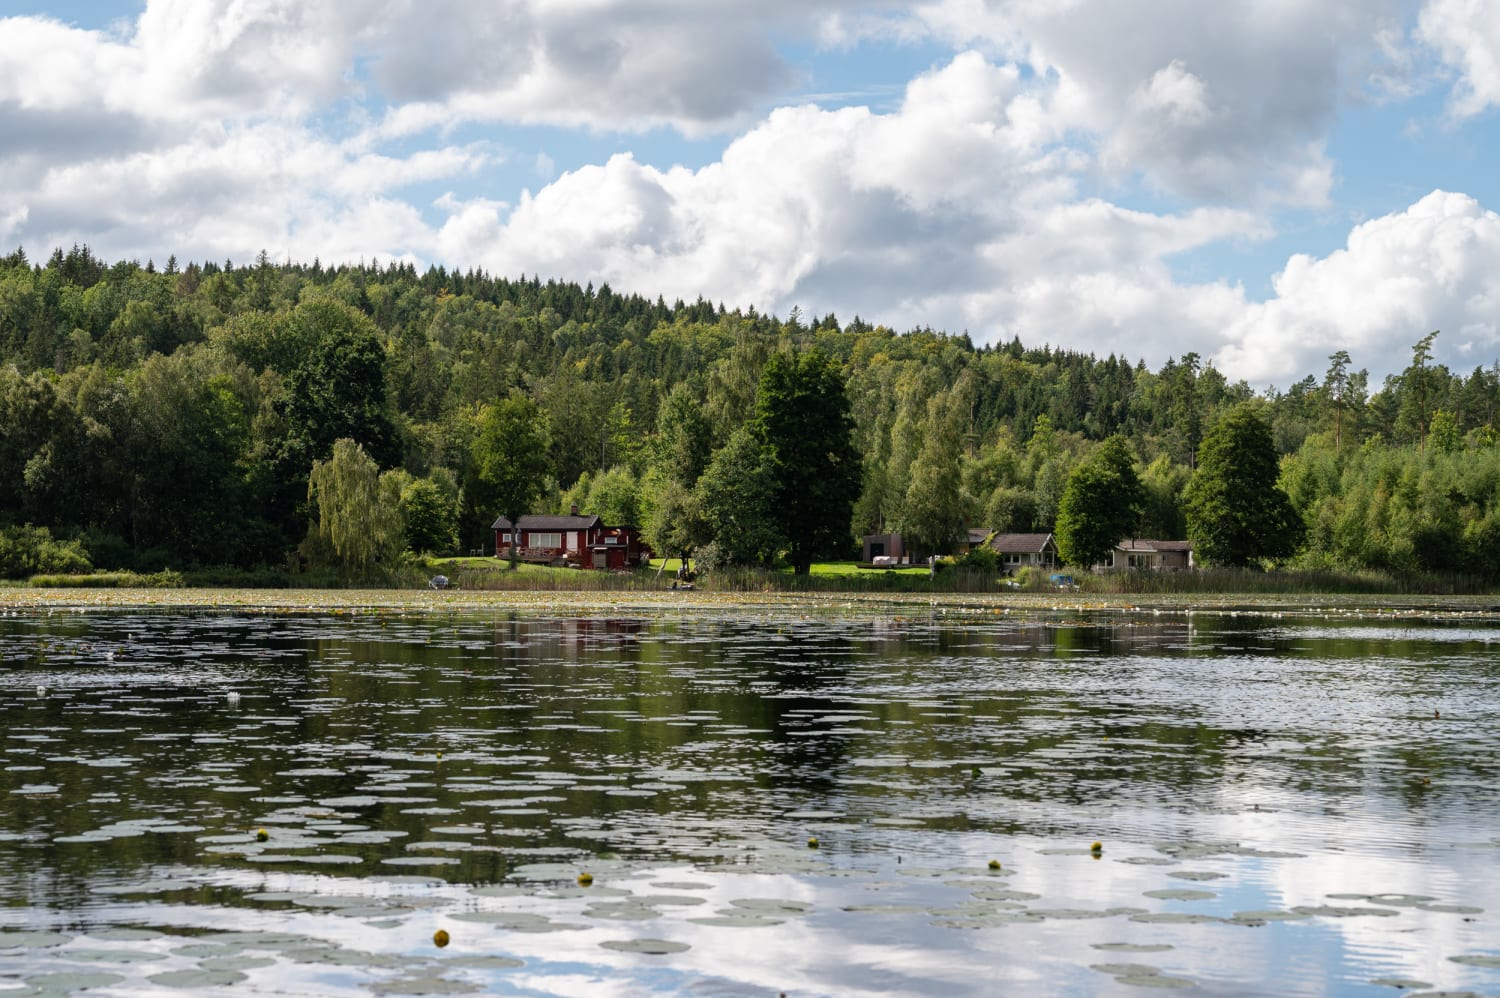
778,798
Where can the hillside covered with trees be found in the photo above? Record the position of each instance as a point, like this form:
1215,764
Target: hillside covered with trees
193,416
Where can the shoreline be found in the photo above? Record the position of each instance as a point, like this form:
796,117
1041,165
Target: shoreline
469,601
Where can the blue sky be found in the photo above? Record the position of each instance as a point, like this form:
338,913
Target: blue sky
1259,182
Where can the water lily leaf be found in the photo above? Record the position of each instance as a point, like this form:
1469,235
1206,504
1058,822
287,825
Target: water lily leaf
651,947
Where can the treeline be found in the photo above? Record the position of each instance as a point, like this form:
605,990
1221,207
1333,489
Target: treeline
185,416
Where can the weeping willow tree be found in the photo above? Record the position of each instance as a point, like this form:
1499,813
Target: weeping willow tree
358,511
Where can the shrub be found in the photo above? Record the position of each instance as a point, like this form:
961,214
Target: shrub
981,558
110,580
27,550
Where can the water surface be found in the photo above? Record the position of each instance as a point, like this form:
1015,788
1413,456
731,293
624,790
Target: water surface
767,800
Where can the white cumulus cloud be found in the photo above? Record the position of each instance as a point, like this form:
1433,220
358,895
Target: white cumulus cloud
1466,34
1435,265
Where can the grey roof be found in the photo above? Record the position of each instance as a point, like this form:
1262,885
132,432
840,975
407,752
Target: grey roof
1143,544
538,521
1020,543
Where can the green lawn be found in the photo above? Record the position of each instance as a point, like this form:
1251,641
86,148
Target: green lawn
837,568
452,566
824,568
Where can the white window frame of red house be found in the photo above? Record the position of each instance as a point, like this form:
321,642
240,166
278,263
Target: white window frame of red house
543,539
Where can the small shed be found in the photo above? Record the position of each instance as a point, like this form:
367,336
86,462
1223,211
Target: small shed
883,549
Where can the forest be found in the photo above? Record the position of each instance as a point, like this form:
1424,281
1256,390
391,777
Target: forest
296,415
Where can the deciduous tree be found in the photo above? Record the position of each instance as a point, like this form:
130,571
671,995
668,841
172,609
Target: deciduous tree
355,518
1100,505
802,423
739,505
507,464
1237,514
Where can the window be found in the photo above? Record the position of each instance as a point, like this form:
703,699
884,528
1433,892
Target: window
545,540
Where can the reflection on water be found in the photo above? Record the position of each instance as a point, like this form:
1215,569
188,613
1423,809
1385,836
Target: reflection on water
298,802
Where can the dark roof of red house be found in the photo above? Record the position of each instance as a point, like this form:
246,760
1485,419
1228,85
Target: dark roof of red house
1020,543
537,521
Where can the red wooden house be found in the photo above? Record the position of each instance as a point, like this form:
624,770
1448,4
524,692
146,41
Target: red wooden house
581,541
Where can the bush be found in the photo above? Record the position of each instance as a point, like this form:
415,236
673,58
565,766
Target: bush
981,558
28,550
110,580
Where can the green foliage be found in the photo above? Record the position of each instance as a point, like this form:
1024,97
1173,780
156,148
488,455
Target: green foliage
358,511
1443,433
614,495
981,558
429,514
804,427
676,524
684,438
334,389
1100,505
1237,514
109,580
1162,484
173,418
738,506
507,461
27,550
932,515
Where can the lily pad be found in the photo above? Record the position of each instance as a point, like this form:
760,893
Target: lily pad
737,920
69,981
197,978
1339,911
1062,914
424,986
33,940
479,962
1478,960
1173,918
627,911
111,955
1179,894
1452,909
772,906
651,947
237,963
1124,969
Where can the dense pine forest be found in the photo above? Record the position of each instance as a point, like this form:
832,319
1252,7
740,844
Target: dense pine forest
189,416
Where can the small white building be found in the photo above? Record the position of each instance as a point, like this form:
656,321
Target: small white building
1023,550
